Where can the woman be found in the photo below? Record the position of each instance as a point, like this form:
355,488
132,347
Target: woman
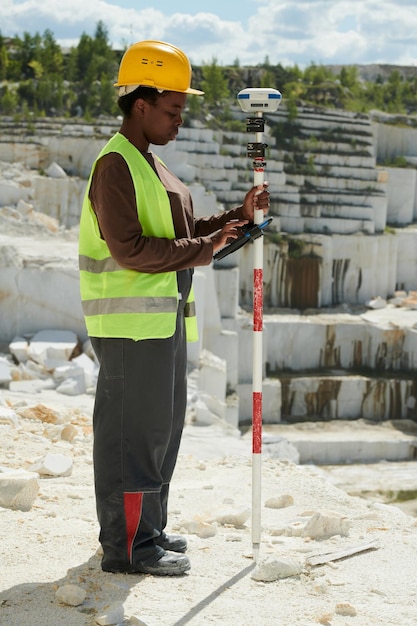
139,243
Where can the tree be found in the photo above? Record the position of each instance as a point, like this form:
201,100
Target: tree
268,79
317,74
4,59
51,56
349,77
8,102
194,106
214,84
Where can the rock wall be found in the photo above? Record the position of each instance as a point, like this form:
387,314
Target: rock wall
343,238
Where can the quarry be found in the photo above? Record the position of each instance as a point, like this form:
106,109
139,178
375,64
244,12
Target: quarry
340,259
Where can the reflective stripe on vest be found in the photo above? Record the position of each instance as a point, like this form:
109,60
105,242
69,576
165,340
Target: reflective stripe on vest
118,302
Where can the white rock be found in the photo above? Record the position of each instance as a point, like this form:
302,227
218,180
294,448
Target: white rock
11,193
345,608
19,348
88,350
113,615
18,489
71,595
67,369
273,568
50,223
72,386
69,432
53,432
52,344
8,416
202,414
279,502
85,362
233,518
24,207
59,368
327,524
199,527
55,171
40,412
376,303
280,448
31,386
5,370
81,368
53,465
89,368
32,370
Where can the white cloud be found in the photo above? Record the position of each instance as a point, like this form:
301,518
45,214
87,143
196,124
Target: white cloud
287,32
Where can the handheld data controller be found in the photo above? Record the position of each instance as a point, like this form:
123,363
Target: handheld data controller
249,233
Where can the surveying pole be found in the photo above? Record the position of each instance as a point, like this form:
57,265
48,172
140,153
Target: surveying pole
256,101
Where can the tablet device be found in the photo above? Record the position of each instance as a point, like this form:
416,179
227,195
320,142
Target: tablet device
249,233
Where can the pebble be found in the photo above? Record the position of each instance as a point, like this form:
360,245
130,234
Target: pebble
53,465
326,524
280,502
199,527
346,609
273,568
233,518
71,595
114,614
18,489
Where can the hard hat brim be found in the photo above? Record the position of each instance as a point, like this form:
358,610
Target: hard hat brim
124,90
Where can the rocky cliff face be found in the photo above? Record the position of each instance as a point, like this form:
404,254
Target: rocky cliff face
342,242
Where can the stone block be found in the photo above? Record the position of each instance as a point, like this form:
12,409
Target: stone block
55,345
232,410
18,489
19,349
294,346
310,210
53,465
212,376
5,370
401,192
225,346
227,288
293,224
275,179
291,209
11,193
244,328
271,401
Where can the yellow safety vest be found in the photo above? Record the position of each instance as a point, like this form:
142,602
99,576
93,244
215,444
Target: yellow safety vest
119,302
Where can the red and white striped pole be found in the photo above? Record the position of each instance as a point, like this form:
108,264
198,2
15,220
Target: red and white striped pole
258,179
258,100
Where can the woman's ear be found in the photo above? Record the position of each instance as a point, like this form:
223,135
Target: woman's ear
140,106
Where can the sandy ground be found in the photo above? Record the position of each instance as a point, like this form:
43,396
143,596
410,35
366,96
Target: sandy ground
55,542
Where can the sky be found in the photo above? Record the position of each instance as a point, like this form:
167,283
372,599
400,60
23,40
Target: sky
293,32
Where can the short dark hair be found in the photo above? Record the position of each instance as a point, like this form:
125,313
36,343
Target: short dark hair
125,103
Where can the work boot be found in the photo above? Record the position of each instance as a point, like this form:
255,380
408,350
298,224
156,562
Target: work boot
174,543
169,564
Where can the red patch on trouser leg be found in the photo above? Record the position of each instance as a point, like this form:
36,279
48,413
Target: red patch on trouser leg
133,512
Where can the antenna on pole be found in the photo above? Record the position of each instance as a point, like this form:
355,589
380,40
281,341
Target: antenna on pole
258,101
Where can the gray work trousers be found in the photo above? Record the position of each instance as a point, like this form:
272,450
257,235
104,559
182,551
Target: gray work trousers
138,421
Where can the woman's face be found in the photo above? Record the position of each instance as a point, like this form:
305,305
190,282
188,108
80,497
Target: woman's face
160,121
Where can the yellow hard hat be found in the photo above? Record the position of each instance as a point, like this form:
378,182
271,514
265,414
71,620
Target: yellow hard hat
155,64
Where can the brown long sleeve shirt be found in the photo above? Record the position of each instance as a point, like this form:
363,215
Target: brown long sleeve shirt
112,196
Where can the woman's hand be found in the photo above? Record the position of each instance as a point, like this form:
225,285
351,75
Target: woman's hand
256,198
231,230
